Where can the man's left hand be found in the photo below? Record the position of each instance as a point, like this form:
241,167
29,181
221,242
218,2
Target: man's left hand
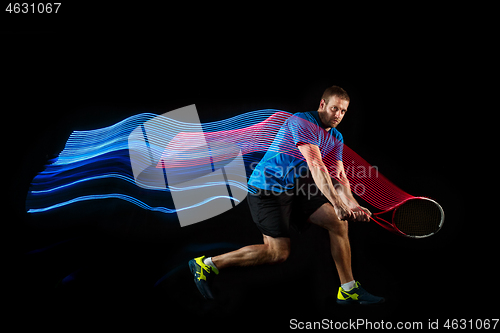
361,214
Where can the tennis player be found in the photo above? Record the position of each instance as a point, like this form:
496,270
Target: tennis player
282,194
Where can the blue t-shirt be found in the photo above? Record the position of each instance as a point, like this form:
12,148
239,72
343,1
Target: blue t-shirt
283,162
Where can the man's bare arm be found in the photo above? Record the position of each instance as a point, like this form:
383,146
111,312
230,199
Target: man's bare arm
362,214
323,180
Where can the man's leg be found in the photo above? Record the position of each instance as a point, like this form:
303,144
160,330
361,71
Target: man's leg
273,251
326,217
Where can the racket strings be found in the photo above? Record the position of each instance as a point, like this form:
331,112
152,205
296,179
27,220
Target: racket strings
418,217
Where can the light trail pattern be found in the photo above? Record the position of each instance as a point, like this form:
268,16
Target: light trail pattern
92,159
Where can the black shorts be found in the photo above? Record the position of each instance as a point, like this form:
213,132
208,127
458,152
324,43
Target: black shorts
274,213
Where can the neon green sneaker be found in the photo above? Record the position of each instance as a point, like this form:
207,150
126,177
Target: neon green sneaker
357,295
202,276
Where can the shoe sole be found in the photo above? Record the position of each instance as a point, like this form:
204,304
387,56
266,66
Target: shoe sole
348,303
192,268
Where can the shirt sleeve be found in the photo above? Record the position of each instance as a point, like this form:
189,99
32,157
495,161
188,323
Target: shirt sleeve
303,131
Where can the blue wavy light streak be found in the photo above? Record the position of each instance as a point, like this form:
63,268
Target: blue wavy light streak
96,165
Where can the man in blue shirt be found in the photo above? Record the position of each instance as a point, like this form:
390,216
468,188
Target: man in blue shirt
292,185
283,163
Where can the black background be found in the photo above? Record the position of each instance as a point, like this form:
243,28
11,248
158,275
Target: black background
63,76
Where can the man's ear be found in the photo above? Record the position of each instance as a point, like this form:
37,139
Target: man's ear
322,105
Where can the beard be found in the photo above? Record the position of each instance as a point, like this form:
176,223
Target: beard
328,121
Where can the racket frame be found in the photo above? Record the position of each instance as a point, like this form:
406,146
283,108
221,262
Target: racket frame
392,226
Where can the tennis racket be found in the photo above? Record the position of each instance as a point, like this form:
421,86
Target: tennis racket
417,217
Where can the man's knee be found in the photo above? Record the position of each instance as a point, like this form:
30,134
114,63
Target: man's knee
279,254
336,226
327,218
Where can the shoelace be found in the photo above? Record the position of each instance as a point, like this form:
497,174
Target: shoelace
202,276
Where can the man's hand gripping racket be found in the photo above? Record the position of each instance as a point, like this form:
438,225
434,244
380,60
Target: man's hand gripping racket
416,217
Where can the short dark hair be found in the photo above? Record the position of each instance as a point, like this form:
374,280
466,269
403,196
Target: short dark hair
335,91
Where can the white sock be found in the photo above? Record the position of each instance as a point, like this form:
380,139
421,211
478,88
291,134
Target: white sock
349,285
208,261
